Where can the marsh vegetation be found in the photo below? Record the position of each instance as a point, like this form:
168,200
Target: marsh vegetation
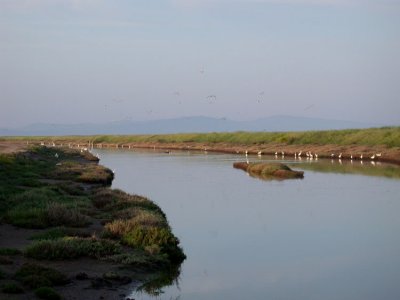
62,195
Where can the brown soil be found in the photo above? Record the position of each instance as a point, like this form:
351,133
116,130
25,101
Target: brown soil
12,146
269,171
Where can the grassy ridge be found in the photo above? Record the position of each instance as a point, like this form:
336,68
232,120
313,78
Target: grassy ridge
388,136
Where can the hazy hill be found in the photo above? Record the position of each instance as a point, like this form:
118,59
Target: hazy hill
187,124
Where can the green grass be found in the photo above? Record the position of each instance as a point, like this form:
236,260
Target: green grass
39,190
35,276
12,288
71,248
9,251
138,223
388,136
44,207
47,293
59,232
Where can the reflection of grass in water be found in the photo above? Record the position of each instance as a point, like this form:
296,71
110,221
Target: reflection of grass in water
154,286
367,169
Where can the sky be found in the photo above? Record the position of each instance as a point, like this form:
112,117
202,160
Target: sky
78,61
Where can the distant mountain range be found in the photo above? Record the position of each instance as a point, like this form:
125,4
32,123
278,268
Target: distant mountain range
185,125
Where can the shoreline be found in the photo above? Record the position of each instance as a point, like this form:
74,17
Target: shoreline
388,155
58,213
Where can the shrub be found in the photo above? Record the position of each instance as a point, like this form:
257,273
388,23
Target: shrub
47,293
12,288
58,214
72,247
34,276
142,237
59,232
2,275
140,217
9,251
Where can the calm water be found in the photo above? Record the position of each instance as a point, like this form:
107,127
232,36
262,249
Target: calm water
332,235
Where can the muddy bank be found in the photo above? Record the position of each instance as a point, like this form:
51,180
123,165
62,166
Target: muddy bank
345,152
59,219
354,152
269,171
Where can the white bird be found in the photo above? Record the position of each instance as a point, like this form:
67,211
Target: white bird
316,156
351,156
246,152
295,155
283,153
373,156
378,154
332,155
259,153
276,153
300,153
56,155
361,156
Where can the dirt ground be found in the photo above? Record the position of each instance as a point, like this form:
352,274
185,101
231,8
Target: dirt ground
14,146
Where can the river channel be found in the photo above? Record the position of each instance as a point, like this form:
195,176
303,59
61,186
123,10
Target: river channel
332,235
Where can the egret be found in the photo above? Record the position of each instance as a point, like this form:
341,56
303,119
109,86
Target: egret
246,153
361,156
300,153
259,153
378,154
373,156
332,155
340,155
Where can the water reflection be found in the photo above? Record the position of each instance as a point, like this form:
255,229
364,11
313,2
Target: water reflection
154,286
367,168
327,236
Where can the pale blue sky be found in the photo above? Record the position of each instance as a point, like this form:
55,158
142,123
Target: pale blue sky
70,61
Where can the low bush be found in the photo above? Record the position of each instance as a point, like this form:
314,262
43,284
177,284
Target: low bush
72,247
59,232
9,251
12,288
34,276
47,293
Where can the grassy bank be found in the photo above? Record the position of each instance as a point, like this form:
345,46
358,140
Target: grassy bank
63,195
385,136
